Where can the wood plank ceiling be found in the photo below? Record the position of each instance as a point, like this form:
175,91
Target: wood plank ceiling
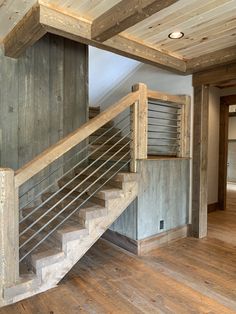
134,28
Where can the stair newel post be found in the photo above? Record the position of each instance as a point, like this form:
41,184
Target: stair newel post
142,120
9,229
134,137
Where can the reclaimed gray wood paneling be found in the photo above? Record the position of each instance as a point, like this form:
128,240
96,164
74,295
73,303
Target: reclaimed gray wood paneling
8,111
43,97
163,195
126,224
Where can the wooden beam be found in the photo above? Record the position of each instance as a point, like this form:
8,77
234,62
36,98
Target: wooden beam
125,14
24,34
176,99
80,30
45,19
223,154
200,157
216,75
211,60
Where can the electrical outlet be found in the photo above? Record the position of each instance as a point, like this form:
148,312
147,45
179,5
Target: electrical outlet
161,224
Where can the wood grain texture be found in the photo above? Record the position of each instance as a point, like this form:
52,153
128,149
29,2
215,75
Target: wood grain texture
187,276
211,60
160,198
200,144
9,226
63,24
216,75
124,15
33,92
27,32
154,95
205,45
142,120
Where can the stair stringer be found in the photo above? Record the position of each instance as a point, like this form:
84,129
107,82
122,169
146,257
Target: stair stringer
48,276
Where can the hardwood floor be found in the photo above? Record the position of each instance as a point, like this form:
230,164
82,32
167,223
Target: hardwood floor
188,276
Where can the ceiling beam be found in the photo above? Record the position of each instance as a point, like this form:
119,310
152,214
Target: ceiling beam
42,19
124,15
78,29
24,34
216,75
211,60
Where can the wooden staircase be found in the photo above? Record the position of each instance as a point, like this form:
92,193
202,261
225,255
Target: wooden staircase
45,266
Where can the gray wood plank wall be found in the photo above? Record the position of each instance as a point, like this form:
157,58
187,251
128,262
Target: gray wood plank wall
43,97
163,195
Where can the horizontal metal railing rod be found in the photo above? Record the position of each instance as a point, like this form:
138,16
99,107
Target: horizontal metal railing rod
60,148
164,125
165,112
64,208
70,158
168,119
172,132
164,145
164,138
69,182
65,196
164,105
54,229
79,163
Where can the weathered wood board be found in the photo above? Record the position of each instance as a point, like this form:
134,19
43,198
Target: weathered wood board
163,195
43,97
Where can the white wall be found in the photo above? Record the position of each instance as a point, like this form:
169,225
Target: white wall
155,78
213,144
106,70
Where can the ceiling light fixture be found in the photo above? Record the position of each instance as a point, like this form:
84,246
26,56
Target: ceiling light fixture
176,35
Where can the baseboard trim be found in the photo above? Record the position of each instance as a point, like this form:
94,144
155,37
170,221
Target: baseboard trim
142,247
213,207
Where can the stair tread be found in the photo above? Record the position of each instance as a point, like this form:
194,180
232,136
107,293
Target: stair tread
46,257
106,191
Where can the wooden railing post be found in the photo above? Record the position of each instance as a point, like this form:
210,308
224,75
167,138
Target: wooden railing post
134,132
185,128
142,120
9,229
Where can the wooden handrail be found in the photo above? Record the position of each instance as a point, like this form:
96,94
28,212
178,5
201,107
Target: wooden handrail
61,147
177,99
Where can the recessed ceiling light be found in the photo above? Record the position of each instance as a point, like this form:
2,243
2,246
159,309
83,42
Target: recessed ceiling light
176,35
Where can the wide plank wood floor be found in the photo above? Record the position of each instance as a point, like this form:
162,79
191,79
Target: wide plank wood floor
188,276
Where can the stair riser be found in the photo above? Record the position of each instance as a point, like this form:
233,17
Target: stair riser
97,228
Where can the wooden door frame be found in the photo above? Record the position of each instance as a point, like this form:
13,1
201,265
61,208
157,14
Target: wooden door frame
225,102
201,83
